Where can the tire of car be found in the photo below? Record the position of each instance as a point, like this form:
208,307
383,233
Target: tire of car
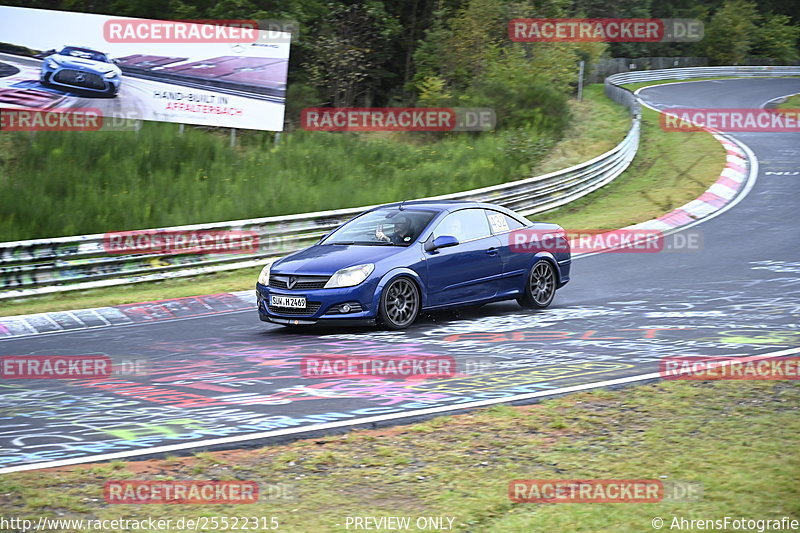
399,304
540,288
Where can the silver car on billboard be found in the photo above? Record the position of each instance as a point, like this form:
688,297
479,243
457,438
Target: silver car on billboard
83,69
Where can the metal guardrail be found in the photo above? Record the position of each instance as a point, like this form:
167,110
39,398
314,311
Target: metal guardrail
701,72
43,266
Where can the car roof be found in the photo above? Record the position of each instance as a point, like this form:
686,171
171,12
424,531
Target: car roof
444,205
83,48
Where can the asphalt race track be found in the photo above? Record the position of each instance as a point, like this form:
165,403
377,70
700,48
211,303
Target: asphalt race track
227,378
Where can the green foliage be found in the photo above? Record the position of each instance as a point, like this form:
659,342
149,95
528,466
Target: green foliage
516,105
469,59
730,33
350,48
433,92
777,39
299,96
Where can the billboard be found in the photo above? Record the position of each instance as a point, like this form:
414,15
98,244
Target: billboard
212,73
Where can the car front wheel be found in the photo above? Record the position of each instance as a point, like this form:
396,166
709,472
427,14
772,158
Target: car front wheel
541,286
400,304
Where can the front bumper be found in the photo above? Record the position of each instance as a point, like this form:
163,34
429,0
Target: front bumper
109,84
323,305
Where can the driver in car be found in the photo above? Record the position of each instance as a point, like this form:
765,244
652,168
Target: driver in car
402,232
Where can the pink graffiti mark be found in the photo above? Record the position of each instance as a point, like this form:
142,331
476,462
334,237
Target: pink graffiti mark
206,372
208,387
386,392
298,347
182,307
366,349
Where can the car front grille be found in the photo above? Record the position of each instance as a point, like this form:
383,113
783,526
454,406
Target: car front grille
80,79
301,283
310,309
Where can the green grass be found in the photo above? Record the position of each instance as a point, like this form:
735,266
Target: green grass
793,102
598,125
70,183
670,169
663,176
739,440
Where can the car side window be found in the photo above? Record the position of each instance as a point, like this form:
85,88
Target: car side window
502,223
464,225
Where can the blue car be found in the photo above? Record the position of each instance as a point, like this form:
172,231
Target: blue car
392,262
83,69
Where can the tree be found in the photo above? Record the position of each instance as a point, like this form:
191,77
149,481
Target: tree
777,39
731,32
350,50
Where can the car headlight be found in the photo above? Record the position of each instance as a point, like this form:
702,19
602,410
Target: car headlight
111,74
263,278
51,64
348,277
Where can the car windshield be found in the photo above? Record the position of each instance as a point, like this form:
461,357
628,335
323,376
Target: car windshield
82,53
383,227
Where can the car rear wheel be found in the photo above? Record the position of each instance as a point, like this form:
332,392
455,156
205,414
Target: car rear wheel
400,304
541,287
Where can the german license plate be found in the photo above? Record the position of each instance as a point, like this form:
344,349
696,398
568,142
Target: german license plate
293,302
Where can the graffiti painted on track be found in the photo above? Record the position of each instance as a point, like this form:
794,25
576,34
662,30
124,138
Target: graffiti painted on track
231,379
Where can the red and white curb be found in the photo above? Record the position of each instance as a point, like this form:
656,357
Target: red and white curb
125,315
722,192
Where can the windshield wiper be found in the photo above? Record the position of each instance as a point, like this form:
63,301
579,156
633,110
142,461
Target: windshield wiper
365,243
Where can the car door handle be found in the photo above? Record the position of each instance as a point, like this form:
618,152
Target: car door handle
491,251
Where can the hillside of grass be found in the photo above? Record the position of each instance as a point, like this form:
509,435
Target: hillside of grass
792,102
69,183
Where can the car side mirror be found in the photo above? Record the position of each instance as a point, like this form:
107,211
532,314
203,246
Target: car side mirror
442,241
